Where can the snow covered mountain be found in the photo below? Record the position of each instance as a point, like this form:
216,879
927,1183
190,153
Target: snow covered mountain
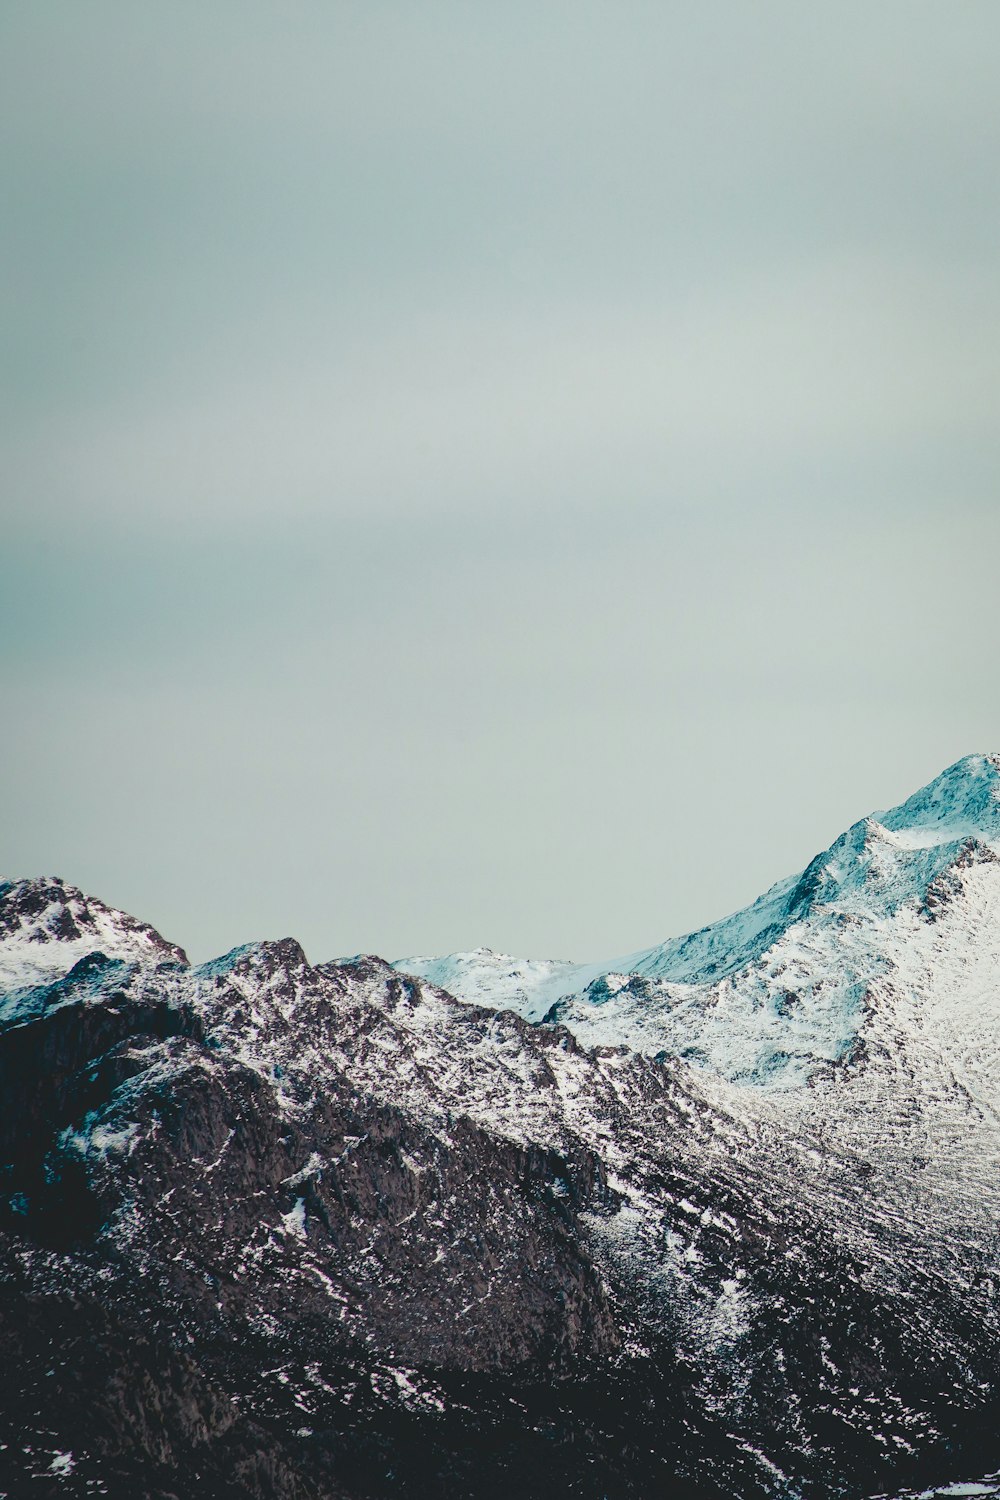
724,1224
774,992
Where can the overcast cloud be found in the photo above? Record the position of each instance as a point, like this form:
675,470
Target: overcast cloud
517,474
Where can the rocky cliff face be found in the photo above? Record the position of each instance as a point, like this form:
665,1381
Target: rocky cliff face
281,1229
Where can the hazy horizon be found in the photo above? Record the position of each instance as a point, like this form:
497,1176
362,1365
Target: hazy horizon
524,477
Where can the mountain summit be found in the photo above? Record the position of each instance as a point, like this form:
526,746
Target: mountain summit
775,991
716,1220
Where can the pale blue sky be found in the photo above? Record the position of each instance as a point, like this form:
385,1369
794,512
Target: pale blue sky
521,475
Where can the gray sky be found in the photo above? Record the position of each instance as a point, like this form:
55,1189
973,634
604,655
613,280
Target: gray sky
519,474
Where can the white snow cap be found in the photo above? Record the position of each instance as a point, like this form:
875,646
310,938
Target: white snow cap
773,991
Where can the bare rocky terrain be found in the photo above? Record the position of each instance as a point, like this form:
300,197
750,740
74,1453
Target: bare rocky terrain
717,1220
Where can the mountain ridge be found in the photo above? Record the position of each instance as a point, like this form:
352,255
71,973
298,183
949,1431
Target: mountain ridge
878,865
337,1232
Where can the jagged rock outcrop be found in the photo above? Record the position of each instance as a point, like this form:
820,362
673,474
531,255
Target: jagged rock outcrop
283,1229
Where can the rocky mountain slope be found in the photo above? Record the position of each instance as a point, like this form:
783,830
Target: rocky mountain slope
723,1223
765,995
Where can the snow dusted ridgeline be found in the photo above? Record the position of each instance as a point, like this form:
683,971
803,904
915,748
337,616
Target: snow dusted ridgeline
776,991
726,1226
45,927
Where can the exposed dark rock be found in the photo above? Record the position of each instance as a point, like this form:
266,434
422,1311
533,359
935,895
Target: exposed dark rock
279,1230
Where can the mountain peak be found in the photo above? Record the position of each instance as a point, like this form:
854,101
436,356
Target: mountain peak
377,1224
772,992
46,925
964,800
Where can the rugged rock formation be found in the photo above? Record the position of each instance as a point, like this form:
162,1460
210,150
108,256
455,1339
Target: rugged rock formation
276,1229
